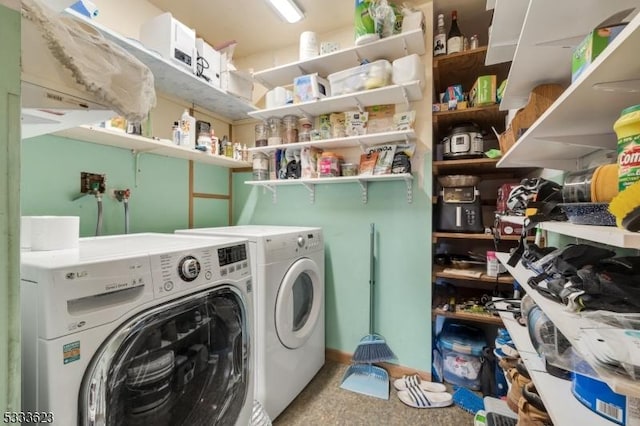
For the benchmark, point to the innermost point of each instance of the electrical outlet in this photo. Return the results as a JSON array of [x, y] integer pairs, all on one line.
[[90, 183]]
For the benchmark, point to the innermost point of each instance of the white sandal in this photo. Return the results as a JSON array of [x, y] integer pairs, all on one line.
[[417, 398], [415, 381]]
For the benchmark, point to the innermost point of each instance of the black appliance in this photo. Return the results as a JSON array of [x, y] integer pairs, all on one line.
[[459, 208]]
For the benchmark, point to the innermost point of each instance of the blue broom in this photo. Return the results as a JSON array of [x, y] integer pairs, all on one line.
[[362, 376], [372, 347]]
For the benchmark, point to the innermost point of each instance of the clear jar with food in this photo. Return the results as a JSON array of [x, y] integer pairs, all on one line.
[[349, 169], [262, 134], [329, 164], [274, 128], [260, 166], [290, 128], [305, 133]]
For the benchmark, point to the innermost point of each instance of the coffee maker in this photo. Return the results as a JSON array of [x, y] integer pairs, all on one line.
[[459, 208]]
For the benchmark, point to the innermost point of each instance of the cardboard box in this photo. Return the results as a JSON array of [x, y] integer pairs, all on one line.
[[309, 87], [593, 44], [483, 91]]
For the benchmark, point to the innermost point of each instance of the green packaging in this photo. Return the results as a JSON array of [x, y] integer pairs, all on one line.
[[483, 91]]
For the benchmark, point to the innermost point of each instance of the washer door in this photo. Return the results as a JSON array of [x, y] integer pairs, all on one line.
[[298, 303], [185, 362]]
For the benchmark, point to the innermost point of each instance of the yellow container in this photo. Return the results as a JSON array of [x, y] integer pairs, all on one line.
[[627, 129]]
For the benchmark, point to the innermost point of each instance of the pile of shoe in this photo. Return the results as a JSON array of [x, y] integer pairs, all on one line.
[[523, 398], [418, 393]]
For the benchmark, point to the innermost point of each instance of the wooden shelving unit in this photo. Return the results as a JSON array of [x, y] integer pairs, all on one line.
[[485, 318], [463, 236], [489, 116], [502, 279], [475, 166]]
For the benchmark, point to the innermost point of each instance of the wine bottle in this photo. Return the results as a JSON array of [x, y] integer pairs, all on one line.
[[440, 38], [454, 39]]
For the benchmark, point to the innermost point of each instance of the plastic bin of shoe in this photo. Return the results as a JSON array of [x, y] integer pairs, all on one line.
[[364, 77], [461, 348]]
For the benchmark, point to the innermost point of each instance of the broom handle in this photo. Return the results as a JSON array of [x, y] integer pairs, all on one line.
[[372, 280]]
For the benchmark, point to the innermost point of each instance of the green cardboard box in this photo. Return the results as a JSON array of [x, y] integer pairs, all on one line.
[[483, 91], [593, 44]]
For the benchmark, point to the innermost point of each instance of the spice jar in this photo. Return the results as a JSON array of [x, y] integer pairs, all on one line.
[[305, 134], [274, 127], [261, 134], [290, 133], [329, 164]]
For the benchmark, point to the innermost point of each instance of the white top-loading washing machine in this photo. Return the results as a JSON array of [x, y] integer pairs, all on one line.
[[137, 329], [288, 271]]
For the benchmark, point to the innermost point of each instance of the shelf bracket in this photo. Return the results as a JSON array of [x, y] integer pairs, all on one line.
[[136, 165], [302, 70], [358, 58], [405, 95], [363, 146], [312, 191], [405, 48], [409, 183], [359, 105], [274, 194], [365, 190]]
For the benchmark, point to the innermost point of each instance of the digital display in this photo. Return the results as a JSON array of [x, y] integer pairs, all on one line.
[[233, 254], [309, 235]]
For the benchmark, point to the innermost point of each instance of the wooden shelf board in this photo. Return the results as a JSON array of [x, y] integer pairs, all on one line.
[[460, 235], [474, 166], [503, 279], [486, 117], [463, 68], [469, 316]]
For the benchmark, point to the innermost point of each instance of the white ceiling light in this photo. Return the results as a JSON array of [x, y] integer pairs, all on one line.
[[288, 10]]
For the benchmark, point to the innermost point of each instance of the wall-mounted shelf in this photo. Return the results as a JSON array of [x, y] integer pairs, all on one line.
[[389, 48], [508, 16], [175, 80], [395, 94], [581, 120], [439, 272], [562, 406], [347, 142], [543, 54], [609, 235], [473, 166], [459, 235], [139, 144], [569, 325], [310, 184], [468, 316], [485, 116]]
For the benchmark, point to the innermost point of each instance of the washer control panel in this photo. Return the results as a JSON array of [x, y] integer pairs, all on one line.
[[185, 271], [282, 247]]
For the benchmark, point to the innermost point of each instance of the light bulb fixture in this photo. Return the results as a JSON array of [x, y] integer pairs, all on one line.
[[289, 11]]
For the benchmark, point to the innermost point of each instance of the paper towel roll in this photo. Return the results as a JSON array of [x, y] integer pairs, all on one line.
[[54, 232]]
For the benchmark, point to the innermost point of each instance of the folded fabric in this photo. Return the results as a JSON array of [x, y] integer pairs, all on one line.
[[415, 397], [415, 381]]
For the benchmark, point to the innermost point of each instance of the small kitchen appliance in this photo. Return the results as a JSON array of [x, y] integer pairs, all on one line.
[[459, 208], [463, 141], [172, 39]]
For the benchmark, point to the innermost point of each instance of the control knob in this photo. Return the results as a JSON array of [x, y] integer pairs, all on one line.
[[189, 268], [300, 241]]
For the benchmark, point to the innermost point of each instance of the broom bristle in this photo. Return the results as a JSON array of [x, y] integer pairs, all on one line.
[[372, 348]]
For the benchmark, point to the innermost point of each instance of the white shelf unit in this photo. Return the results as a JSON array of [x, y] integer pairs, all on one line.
[[176, 80], [347, 142], [310, 184], [581, 120], [395, 94], [390, 48], [508, 17], [139, 144], [550, 31], [609, 235], [563, 408], [569, 325]]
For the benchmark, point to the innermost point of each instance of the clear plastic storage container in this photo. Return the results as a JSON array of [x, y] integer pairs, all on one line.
[[364, 77]]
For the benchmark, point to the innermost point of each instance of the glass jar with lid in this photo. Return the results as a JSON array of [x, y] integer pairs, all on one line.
[[305, 133], [290, 128], [262, 134], [274, 129]]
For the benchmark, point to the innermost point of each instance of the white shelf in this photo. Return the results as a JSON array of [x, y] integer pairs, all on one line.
[[609, 235], [347, 142], [569, 324], [551, 29], [581, 120], [508, 16], [310, 184], [175, 80], [395, 94], [562, 406], [139, 144], [389, 48]]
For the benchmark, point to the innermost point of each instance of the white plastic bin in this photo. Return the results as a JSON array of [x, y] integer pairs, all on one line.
[[364, 77]]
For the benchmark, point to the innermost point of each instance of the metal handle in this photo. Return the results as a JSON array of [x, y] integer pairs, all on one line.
[[372, 280]]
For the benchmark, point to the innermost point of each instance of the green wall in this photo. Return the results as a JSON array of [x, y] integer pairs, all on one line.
[[9, 209], [403, 273], [51, 168]]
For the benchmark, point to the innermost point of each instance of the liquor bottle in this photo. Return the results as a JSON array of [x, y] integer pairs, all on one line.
[[440, 38], [454, 39]]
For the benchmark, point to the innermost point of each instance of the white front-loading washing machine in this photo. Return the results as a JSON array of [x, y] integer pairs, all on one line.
[[288, 271], [141, 329]]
